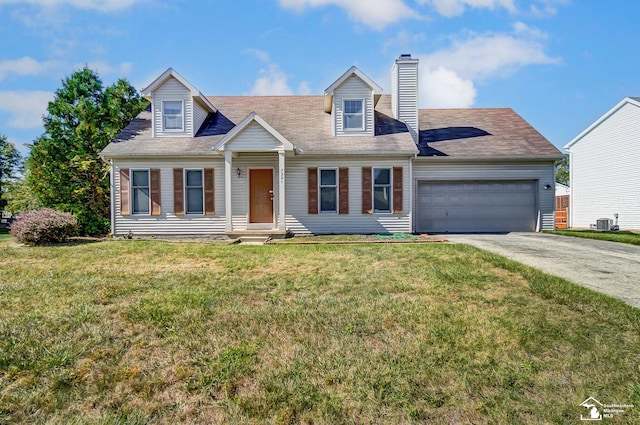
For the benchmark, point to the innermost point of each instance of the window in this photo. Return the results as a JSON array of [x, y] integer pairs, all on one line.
[[328, 191], [140, 191], [172, 119], [381, 190], [353, 115], [194, 191]]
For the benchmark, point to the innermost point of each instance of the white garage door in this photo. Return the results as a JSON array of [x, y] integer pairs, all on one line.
[[486, 206]]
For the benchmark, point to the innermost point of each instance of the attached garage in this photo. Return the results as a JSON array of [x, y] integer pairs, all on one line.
[[476, 206]]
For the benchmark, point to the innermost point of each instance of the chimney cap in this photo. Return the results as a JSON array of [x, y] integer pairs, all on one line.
[[405, 56]]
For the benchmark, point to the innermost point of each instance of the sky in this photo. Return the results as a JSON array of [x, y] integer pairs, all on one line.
[[560, 64]]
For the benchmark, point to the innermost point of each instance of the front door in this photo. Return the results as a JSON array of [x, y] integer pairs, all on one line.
[[261, 196]]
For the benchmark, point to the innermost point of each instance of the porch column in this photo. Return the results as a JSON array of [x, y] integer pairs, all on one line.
[[227, 192], [281, 212]]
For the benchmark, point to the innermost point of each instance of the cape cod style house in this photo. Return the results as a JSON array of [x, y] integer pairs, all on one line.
[[350, 161]]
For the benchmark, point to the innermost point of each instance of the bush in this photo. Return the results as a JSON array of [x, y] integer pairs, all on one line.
[[41, 227]]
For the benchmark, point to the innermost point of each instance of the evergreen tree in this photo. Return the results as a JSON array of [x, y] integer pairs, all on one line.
[[64, 169]]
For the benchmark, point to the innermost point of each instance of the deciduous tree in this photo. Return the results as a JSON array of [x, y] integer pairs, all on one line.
[[10, 163], [562, 170], [64, 169]]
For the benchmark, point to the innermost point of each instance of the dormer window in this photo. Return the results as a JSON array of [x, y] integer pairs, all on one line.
[[172, 115], [353, 114]]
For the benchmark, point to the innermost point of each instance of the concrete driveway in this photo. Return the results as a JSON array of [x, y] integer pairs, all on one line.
[[608, 267]]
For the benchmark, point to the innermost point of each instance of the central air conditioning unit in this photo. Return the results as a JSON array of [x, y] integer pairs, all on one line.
[[603, 224]]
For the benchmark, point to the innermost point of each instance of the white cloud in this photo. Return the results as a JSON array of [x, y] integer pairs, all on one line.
[[25, 108], [487, 56], [100, 5], [260, 54], [449, 76], [272, 81], [375, 14], [103, 68], [304, 89], [452, 8], [403, 40], [547, 8], [23, 66], [442, 88]]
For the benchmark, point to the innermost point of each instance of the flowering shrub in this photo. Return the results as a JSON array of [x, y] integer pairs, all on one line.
[[41, 227]]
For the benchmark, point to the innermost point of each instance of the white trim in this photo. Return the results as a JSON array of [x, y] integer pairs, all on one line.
[[282, 219], [131, 188], [335, 169], [170, 72], [344, 114], [601, 119], [373, 192], [228, 162], [162, 114], [184, 190], [328, 93]]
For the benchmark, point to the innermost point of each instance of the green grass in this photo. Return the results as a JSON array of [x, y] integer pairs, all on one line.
[[141, 332], [623, 237]]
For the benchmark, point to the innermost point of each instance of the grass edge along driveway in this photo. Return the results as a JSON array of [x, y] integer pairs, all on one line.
[[154, 332]]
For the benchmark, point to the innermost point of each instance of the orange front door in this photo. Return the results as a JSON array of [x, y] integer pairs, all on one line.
[[260, 196]]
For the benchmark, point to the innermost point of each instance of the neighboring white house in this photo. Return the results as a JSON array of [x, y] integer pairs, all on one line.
[[605, 168], [350, 161]]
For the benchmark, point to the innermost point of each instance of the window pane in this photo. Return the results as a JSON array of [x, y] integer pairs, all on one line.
[[194, 178], [382, 176], [194, 200], [140, 178], [353, 121], [328, 199], [381, 198], [173, 108], [327, 177], [172, 122], [353, 106], [141, 201]]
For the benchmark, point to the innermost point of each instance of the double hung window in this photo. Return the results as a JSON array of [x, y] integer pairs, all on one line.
[[172, 115], [140, 191], [353, 116]]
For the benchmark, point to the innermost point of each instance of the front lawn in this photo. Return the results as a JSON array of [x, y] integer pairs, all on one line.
[[624, 237], [156, 332]]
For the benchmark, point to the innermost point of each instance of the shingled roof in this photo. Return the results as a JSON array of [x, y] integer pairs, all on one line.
[[300, 119], [481, 133], [454, 133]]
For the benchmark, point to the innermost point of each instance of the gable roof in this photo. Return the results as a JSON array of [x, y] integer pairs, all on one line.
[[253, 117], [170, 72], [481, 133], [627, 100], [299, 119], [328, 101]]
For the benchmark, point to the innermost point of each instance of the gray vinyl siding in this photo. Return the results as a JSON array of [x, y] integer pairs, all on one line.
[[172, 89], [167, 223], [353, 88], [199, 115], [605, 171], [254, 137], [298, 220], [541, 172]]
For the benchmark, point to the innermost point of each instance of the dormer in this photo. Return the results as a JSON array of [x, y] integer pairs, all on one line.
[[178, 109], [351, 101]]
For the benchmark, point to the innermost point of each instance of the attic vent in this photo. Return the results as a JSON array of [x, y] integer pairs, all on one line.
[[603, 224]]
